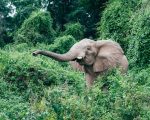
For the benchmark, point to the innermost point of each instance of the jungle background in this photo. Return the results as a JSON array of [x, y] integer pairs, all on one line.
[[39, 88]]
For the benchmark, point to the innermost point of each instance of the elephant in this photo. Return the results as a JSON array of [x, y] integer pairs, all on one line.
[[94, 58]]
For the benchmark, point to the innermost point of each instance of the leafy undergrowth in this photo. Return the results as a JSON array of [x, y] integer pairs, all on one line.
[[39, 88]]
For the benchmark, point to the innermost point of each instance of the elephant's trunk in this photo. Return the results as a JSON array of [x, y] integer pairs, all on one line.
[[69, 56]]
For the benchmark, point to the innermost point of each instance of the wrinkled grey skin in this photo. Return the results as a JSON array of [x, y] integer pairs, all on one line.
[[92, 57]]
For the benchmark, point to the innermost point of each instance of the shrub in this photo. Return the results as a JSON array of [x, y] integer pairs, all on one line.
[[39, 88], [139, 49], [74, 29], [125, 99], [127, 22], [13, 107], [115, 19], [27, 72], [37, 28], [62, 44]]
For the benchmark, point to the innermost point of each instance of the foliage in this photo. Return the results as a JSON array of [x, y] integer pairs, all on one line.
[[139, 50], [15, 12], [84, 11], [39, 88], [5, 23], [115, 19], [59, 10], [127, 22], [24, 9], [62, 44], [13, 108], [12, 15], [124, 100], [25, 71], [1, 42], [37, 28], [74, 29], [89, 14]]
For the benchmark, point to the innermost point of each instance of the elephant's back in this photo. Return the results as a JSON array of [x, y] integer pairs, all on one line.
[[124, 64]]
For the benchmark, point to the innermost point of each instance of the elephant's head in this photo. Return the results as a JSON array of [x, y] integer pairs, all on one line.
[[85, 51], [99, 54]]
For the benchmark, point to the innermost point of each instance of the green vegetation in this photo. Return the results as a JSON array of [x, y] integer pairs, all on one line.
[[127, 22], [114, 23], [62, 44], [37, 28], [39, 88], [139, 50], [74, 29]]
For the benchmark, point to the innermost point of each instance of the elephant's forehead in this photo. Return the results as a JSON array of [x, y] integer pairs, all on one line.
[[84, 43], [80, 45]]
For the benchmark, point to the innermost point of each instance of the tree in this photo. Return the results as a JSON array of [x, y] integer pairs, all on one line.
[[37, 28], [114, 23], [23, 10], [74, 29], [91, 14], [85, 12], [59, 10], [5, 20]]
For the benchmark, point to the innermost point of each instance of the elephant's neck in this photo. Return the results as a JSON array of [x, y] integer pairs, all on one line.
[[89, 69]]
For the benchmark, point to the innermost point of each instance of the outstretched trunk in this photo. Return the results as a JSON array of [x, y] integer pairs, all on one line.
[[69, 56]]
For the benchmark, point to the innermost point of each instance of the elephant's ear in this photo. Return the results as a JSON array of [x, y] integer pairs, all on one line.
[[103, 62], [77, 66]]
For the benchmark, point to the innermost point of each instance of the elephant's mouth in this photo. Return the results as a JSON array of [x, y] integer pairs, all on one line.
[[80, 60]]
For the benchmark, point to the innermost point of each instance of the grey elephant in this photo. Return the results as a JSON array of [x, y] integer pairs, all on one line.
[[92, 57]]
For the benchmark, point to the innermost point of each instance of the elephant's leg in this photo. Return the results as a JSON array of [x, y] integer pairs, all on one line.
[[89, 79]]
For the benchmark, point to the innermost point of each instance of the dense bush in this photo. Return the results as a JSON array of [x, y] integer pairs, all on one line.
[[127, 22], [114, 23], [62, 44], [40, 88], [139, 49], [26, 71], [37, 28], [126, 99], [74, 29], [13, 107]]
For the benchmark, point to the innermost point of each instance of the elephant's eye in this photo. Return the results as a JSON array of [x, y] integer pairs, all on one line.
[[88, 48]]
